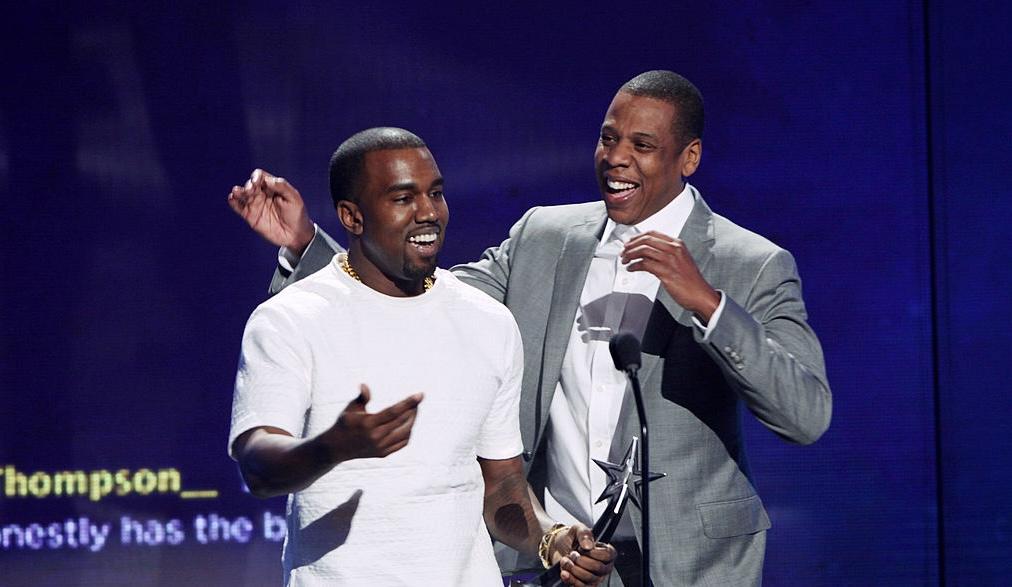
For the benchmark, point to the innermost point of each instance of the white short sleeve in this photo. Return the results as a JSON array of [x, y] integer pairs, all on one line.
[[272, 383], [500, 434]]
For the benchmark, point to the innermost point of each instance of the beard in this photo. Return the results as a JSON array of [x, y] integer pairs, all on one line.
[[415, 272]]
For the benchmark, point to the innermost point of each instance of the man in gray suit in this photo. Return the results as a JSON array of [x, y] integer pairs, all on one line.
[[718, 309]]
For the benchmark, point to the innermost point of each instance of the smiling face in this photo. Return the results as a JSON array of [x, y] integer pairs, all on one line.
[[638, 162], [399, 220]]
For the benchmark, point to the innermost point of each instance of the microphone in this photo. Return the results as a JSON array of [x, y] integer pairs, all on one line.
[[625, 351]]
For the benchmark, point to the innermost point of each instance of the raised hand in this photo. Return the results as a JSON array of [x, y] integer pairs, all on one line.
[[582, 561], [669, 260], [357, 434], [274, 209]]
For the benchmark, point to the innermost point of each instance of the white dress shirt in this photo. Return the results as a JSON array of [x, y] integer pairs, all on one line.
[[588, 398]]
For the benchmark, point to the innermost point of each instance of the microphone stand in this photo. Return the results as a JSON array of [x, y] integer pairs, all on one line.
[[631, 371]]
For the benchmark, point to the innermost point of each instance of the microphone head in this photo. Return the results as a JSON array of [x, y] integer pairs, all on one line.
[[625, 351]]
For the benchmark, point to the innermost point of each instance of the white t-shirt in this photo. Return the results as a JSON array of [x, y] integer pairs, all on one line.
[[414, 517]]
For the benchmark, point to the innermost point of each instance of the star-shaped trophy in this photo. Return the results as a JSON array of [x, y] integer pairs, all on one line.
[[624, 483]]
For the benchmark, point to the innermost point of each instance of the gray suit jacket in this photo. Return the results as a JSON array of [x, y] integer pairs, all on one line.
[[707, 522]]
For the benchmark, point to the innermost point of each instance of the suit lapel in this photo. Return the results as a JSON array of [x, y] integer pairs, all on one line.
[[571, 273], [697, 234]]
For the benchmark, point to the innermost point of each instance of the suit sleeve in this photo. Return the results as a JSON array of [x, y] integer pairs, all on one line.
[[491, 273], [769, 352], [316, 256]]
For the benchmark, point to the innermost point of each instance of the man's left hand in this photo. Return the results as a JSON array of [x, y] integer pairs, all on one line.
[[582, 561], [669, 260]]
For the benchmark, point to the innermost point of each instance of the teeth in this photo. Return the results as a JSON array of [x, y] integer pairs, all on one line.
[[422, 239], [620, 185]]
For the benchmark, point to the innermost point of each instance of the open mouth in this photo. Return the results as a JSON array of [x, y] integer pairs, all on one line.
[[425, 243], [618, 191]]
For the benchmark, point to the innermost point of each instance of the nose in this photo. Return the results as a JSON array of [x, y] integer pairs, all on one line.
[[425, 211], [617, 155]]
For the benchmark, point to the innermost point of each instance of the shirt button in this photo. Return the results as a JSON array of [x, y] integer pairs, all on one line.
[[598, 443], [600, 388]]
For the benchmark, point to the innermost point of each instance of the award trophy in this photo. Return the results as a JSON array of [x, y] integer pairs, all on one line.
[[625, 481], [624, 484]]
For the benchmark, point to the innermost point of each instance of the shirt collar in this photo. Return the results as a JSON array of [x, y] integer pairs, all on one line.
[[668, 220]]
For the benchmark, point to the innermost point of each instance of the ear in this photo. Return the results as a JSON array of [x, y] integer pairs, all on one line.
[[690, 157], [350, 216]]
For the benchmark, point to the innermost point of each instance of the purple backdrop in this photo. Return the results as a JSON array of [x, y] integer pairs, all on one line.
[[871, 141]]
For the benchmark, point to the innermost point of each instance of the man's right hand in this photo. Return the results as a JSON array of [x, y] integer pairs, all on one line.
[[273, 462], [274, 209], [358, 434]]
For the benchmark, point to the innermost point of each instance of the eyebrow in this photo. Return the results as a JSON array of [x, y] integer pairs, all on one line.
[[644, 135], [405, 186], [410, 186], [635, 135]]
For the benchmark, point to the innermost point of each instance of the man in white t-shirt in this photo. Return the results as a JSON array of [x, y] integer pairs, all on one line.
[[401, 495]]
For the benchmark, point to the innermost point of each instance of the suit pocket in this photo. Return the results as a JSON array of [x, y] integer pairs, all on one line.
[[725, 519]]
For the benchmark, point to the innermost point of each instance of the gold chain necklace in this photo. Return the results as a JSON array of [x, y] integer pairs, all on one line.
[[427, 283]]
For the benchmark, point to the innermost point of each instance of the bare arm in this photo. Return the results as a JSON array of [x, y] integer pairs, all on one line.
[[515, 517], [273, 462], [511, 515]]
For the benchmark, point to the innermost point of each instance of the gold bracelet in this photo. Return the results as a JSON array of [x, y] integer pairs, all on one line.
[[544, 549]]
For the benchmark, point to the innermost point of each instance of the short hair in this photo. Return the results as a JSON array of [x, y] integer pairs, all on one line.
[[675, 90], [346, 164]]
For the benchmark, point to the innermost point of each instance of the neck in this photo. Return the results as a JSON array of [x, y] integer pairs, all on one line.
[[671, 198], [373, 277]]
